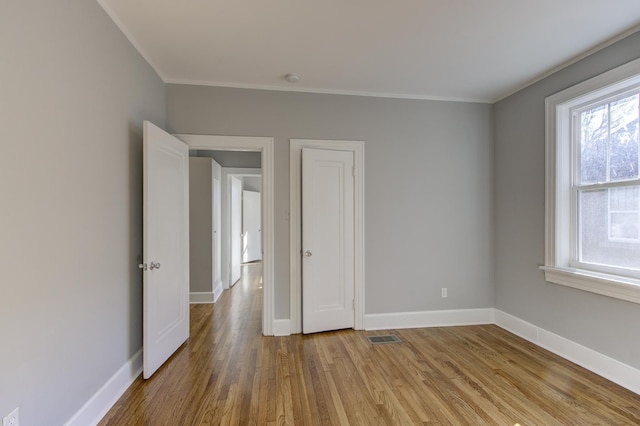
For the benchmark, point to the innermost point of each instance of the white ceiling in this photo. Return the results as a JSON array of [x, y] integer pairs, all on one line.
[[478, 50]]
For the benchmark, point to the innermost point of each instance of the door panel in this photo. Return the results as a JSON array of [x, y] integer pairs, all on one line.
[[327, 240], [236, 229], [165, 246], [217, 242], [252, 244]]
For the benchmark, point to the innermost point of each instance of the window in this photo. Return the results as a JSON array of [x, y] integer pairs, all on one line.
[[593, 185]]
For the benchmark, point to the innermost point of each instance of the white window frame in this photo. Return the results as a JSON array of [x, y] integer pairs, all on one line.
[[560, 223]]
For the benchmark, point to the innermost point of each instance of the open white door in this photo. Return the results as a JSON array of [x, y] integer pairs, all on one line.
[[236, 229], [251, 224], [327, 240], [165, 246], [217, 227]]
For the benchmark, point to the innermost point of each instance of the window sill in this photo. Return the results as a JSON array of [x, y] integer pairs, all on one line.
[[608, 285]]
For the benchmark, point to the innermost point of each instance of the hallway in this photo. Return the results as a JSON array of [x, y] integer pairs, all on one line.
[[220, 358]]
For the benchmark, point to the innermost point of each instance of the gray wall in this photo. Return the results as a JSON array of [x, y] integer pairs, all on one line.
[[428, 185], [251, 183], [200, 224], [601, 323], [251, 160], [73, 96]]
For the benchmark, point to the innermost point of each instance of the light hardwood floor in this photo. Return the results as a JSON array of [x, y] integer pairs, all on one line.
[[227, 373]]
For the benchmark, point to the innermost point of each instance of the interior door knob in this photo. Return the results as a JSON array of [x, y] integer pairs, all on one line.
[[308, 253], [153, 266]]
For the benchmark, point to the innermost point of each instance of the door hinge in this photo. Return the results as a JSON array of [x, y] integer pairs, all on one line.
[[353, 304], [353, 171]]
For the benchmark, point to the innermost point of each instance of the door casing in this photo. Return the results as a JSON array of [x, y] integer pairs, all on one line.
[[264, 145], [295, 232]]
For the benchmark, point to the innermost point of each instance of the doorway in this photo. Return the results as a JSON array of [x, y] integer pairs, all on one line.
[[295, 161], [224, 233], [205, 229], [264, 146], [251, 224], [232, 218]]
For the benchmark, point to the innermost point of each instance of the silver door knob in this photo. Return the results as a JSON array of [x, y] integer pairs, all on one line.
[[153, 266], [308, 253]]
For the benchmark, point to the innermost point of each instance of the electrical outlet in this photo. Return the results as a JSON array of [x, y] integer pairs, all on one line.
[[444, 292], [11, 419]]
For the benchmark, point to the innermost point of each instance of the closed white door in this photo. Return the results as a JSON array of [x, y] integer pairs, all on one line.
[[216, 209], [327, 240], [251, 243], [165, 246], [236, 229]]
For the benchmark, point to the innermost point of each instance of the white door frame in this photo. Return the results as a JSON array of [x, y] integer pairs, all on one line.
[[265, 146], [295, 169]]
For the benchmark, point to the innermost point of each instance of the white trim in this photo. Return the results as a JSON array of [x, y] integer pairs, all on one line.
[[607, 285], [443, 318], [101, 402], [282, 327], [295, 228], [116, 20], [607, 367], [301, 89], [198, 297], [217, 291], [265, 145], [559, 223]]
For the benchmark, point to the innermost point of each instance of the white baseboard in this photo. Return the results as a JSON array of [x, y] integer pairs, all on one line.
[[282, 327], [201, 297], [428, 319], [101, 402], [607, 367], [217, 291]]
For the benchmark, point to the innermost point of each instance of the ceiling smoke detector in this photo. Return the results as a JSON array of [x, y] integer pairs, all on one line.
[[292, 78]]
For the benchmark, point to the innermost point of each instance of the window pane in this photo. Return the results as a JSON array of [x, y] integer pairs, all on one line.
[[624, 226], [607, 236], [594, 138], [624, 139], [609, 142], [624, 199]]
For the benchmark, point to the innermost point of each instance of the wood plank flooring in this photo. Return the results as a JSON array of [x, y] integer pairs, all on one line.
[[227, 373]]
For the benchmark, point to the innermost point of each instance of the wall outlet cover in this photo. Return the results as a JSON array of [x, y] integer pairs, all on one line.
[[11, 419]]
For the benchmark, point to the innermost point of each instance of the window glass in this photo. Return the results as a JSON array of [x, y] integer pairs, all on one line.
[[608, 213], [608, 227], [609, 141]]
